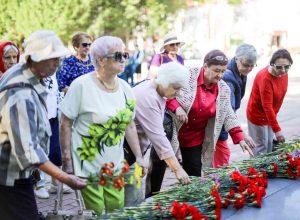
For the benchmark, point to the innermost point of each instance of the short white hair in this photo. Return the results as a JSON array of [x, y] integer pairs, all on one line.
[[102, 46], [172, 73]]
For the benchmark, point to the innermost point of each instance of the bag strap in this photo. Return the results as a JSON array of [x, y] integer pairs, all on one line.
[[24, 85], [161, 59]]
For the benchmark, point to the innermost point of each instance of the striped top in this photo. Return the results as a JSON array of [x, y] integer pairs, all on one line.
[[24, 125]]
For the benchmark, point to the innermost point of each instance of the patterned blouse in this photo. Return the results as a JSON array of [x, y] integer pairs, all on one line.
[[71, 68]]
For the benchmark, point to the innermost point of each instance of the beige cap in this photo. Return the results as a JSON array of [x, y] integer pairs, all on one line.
[[43, 45]]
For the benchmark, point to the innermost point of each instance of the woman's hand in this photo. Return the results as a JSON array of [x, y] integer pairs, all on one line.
[[182, 176], [246, 147], [279, 136], [249, 141], [181, 115], [141, 162]]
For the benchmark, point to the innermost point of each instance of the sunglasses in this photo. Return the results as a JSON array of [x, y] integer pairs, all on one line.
[[86, 44], [282, 67], [221, 59], [174, 44], [118, 56]]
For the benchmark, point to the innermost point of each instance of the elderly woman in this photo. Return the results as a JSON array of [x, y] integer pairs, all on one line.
[[268, 91], [236, 78], [168, 54], [75, 65], [206, 101], [151, 98], [24, 126], [96, 111], [9, 56]]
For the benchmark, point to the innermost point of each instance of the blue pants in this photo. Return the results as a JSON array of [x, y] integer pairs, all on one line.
[[55, 152]]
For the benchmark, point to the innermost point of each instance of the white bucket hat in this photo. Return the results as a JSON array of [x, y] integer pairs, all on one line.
[[43, 45], [171, 38]]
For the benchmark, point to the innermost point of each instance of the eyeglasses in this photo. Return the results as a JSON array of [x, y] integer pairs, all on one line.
[[86, 44], [174, 44], [282, 67], [118, 56], [246, 65]]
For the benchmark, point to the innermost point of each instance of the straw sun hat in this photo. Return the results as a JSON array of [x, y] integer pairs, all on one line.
[[171, 38]]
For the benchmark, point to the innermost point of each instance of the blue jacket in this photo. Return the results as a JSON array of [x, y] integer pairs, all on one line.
[[237, 85]]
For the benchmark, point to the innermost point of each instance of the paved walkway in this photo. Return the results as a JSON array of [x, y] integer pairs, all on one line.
[[289, 119]]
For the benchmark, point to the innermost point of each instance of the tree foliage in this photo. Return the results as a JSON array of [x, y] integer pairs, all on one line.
[[18, 18]]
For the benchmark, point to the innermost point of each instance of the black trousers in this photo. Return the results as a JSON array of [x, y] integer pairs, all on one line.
[[155, 176], [191, 160], [18, 202]]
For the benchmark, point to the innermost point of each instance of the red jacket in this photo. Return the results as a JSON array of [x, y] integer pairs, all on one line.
[[266, 99], [2, 45]]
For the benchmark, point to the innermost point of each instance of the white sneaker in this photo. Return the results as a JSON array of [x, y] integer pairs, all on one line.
[[66, 189], [41, 193]]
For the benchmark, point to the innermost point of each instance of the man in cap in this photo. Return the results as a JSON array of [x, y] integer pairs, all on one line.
[[24, 127]]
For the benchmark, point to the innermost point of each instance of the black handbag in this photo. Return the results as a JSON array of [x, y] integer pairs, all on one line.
[[128, 154], [168, 124]]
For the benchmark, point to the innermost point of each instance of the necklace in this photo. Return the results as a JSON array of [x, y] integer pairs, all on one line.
[[105, 86]]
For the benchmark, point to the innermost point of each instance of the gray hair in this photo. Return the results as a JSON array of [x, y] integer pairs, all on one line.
[[246, 52], [102, 46], [171, 73], [8, 47]]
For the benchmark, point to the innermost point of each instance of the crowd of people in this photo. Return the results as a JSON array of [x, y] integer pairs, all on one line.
[[71, 115]]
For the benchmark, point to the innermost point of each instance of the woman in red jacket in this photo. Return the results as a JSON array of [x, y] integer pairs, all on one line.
[[268, 91]]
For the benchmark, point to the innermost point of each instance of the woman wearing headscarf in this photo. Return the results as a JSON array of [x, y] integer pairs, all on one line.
[[9, 56], [97, 113], [75, 65], [206, 101]]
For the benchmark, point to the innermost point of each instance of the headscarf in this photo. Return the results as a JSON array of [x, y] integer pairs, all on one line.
[[2, 45]]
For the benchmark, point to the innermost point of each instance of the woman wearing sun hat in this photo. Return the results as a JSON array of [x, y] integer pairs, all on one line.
[[168, 54]]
